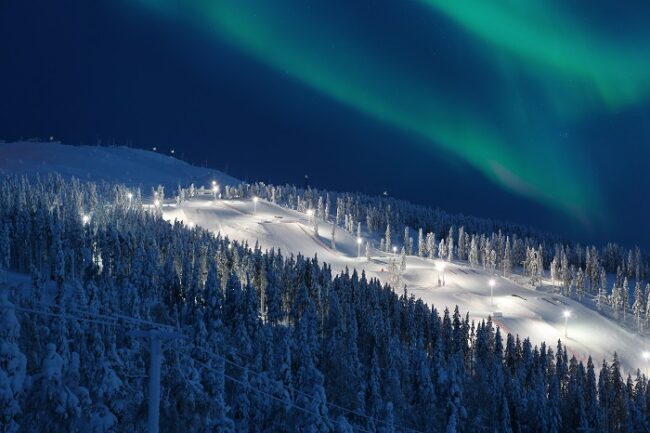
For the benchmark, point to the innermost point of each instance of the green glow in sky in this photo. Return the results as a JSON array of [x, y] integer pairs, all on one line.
[[543, 35], [340, 65]]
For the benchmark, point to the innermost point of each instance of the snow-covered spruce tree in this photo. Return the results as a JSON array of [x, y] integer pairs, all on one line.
[[506, 263], [580, 284], [565, 274], [556, 275], [407, 236], [638, 307], [388, 243], [492, 262], [616, 301], [431, 245], [647, 306], [625, 296], [422, 247], [462, 244], [442, 249], [450, 249], [13, 366], [473, 252]]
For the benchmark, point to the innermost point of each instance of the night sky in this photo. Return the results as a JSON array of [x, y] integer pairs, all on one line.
[[536, 112]]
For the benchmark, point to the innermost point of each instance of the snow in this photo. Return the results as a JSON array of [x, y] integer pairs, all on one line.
[[533, 313], [125, 165], [537, 314]]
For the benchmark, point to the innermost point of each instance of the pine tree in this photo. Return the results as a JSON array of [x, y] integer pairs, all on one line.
[[616, 301], [406, 239], [388, 243], [450, 249], [431, 245], [442, 249], [492, 262], [638, 308], [473, 252], [13, 366], [565, 274], [506, 263], [556, 270], [462, 244], [625, 294], [421, 244], [580, 284]]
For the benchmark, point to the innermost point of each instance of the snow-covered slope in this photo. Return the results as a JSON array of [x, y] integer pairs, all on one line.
[[537, 314], [125, 165]]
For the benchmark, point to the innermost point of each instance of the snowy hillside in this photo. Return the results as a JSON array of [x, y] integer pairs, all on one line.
[[517, 309], [128, 166]]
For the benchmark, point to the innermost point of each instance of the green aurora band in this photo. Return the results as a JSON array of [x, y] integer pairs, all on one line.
[[543, 35], [355, 74]]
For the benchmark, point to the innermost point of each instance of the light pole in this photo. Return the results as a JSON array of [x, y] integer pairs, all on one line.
[[440, 267], [492, 283], [130, 197], [310, 215], [566, 314], [359, 240], [255, 199], [85, 219], [155, 358], [395, 250]]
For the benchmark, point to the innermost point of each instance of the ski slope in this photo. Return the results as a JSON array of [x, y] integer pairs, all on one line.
[[533, 313], [537, 314], [135, 168]]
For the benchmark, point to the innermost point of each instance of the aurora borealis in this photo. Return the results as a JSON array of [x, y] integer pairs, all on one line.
[[357, 74], [540, 106]]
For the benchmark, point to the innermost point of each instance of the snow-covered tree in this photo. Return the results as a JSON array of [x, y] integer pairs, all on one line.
[[556, 270], [580, 284], [422, 247], [625, 296], [431, 245], [450, 249], [442, 249], [13, 365], [638, 307], [473, 252], [462, 244], [388, 243], [506, 263]]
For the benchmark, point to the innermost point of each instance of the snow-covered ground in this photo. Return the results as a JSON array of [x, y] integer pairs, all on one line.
[[530, 313], [132, 167], [537, 314]]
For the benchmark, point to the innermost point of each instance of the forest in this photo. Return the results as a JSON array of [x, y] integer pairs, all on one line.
[[269, 343]]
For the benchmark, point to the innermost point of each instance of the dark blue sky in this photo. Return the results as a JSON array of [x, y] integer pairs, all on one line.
[[120, 71]]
